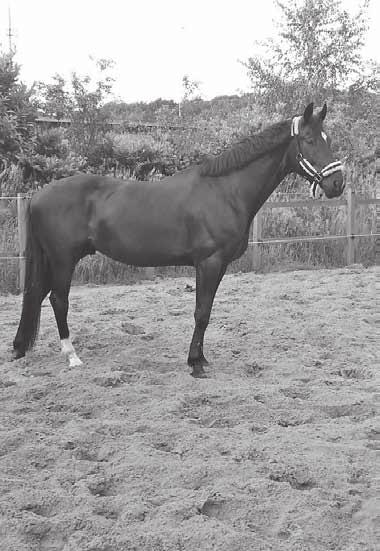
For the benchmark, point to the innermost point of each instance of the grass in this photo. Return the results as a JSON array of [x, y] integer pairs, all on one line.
[[8, 246]]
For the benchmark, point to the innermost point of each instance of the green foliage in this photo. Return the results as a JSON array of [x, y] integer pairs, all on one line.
[[42, 169], [317, 50], [140, 155], [211, 126], [11, 180], [81, 101], [190, 92], [128, 148], [17, 112], [160, 109], [54, 99], [88, 121], [190, 88], [52, 142]]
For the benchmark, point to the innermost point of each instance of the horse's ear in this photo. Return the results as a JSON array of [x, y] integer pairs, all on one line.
[[308, 112], [323, 112]]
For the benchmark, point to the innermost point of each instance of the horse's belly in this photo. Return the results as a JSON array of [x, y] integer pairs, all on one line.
[[146, 257], [142, 246]]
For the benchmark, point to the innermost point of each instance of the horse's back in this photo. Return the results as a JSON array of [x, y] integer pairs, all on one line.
[[73, 189]]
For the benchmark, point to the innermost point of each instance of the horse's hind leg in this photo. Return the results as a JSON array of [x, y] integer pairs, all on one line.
[[59, 299]]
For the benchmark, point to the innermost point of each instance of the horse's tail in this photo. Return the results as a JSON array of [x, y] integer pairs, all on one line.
[[36, 286]]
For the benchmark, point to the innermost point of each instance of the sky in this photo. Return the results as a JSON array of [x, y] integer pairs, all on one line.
[[153, 43]]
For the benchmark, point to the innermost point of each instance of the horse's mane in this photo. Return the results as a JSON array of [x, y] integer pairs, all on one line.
[[247, 150]]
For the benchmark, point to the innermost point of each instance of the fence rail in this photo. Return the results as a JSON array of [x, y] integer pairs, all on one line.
[[350, 202]]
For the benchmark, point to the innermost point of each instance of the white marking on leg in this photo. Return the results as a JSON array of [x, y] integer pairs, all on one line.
[[68, 350]]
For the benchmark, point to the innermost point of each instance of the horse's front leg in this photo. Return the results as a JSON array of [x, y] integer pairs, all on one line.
[[209, 273]]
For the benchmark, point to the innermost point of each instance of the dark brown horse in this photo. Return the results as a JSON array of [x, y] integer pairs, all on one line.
[[199, 217]]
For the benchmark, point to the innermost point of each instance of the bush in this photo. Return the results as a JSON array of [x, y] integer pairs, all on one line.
[[52, 143], [139, 154], [41, 169]]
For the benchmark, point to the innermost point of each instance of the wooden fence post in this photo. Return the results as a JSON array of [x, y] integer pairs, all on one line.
[[256, 236], [351, 225], [21, 227]]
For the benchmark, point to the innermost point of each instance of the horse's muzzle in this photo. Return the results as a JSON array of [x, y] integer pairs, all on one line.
[[333, 185]]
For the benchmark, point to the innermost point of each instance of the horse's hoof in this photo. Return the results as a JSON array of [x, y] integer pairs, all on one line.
[[16, 355], [199, 374], [75, 362]]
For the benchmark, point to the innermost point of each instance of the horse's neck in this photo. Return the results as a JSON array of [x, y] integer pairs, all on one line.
[[260, 179]]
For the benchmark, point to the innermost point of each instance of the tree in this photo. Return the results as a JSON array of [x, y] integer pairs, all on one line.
[[190, 92], [17, 112], [88, 120], [26, 157], [81, 101], [55, 100], [317, 52]]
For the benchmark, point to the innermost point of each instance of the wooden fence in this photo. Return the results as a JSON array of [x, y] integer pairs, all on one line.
[[351, 202]]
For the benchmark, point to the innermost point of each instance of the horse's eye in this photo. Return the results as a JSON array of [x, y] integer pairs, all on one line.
[[309, 140]]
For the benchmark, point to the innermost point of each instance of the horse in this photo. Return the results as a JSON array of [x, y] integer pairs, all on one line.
[[198, 217]]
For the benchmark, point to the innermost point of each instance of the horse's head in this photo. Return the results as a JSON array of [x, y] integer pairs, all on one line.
[[310, 153]]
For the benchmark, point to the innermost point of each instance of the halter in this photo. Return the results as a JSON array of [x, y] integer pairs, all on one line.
[[317, 176]]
